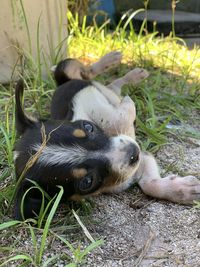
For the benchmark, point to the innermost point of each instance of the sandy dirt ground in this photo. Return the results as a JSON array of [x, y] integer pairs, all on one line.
[[140, 231]]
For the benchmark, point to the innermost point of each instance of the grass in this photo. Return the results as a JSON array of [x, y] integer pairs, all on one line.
[[39, 245], [171, 93]]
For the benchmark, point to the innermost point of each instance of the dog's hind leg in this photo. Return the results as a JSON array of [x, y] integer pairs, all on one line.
[[110, 60], [174, 188], [134, 76]]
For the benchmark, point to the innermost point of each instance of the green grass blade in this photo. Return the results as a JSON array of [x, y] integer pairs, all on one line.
[[91, 247], [71, 265], [44, 212], [48, 222], [16, 258], [23, 200], [34, 240], [133, 14], [6, 225], [27, 27], [50, 261], [65, 242]]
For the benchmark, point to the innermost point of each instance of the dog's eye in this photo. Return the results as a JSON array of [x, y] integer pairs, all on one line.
[[85, 183], [88, 127]]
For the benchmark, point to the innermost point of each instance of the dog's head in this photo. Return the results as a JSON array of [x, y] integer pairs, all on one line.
[[76, 155]]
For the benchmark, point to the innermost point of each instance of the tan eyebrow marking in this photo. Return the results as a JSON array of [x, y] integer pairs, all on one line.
[[79, 133], [79, 173]]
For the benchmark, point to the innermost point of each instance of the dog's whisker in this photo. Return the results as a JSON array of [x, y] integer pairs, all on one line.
[[116, 129]]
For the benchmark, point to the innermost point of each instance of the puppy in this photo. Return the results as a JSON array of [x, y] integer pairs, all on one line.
[[77, 155], [77, 99]]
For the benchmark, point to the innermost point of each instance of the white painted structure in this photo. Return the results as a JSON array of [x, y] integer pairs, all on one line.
[[51, 15]]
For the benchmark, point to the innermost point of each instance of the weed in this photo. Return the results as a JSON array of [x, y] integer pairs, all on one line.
[[39, 242]]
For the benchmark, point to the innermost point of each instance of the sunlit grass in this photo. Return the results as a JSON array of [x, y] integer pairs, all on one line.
[[149, 50]]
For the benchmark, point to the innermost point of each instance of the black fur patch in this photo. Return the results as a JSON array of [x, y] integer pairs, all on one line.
[[48, 176], [61, 104]]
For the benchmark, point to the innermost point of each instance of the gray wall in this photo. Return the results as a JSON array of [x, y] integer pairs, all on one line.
[[183, 5]]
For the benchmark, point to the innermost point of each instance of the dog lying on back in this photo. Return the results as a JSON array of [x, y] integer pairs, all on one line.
[[80, 156], [76, 155], [79, 98]]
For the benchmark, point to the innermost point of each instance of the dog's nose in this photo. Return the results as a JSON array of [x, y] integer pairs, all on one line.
[[134, 154]]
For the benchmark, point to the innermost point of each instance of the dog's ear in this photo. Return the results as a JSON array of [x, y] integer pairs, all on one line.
[[69, 69], [21, 119]]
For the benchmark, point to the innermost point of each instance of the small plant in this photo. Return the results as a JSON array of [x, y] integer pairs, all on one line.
[[40, 244]]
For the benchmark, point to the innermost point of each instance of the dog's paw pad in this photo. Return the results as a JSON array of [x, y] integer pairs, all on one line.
[[108, 61], [111, 59], [185, 189], [136, 75]]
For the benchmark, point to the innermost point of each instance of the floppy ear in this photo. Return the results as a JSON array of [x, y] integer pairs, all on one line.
[[21, 119]]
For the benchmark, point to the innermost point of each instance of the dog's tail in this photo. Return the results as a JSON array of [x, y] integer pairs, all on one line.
[[21, 119], [69, 69]]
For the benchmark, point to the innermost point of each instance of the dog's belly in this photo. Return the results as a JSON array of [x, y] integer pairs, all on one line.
[[106, 110], [90, 104]]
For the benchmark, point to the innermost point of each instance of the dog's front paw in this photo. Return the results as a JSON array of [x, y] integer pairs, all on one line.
[[108, 61], [111, 59], [183, 189], [136, 75]]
